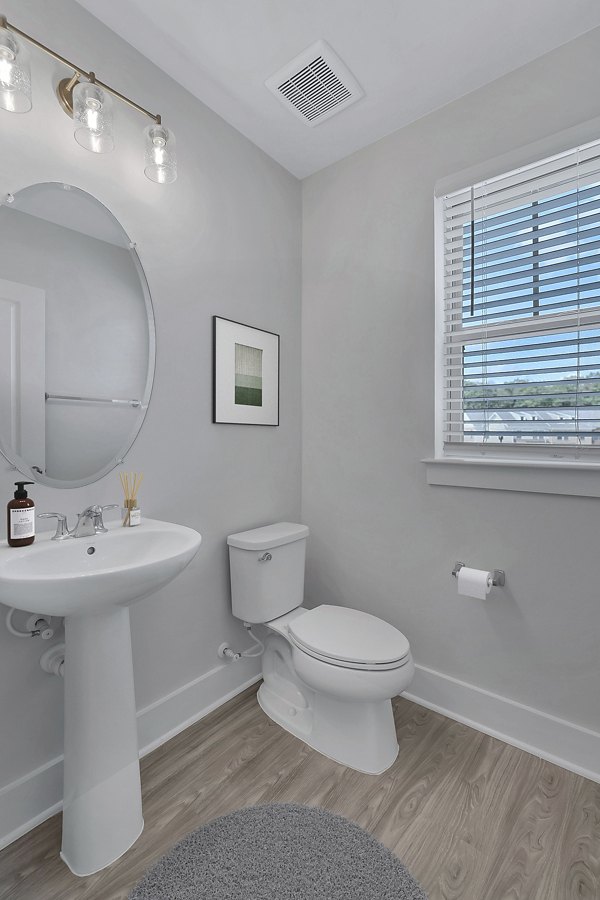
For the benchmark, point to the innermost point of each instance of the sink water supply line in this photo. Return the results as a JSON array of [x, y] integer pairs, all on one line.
[[41, 626], [225, 651]]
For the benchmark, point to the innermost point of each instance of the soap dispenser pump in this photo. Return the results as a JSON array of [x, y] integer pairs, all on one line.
[[20, 517]]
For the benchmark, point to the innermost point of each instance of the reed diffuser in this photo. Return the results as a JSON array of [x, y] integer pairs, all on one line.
[[131, 482]]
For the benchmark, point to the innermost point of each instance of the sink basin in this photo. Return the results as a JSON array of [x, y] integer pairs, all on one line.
[[91, 582], [84, 575]]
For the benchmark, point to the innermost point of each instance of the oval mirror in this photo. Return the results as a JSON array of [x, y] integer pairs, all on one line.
[[77, 339]]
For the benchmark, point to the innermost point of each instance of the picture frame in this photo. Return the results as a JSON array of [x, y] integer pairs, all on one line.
[[245, 374]]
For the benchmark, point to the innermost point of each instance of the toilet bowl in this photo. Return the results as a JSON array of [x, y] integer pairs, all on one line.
[[329, 673]]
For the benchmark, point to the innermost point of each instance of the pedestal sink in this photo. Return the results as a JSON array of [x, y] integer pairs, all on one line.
[[92, 581]]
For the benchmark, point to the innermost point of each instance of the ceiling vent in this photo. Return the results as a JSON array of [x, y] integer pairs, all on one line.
[[315, 85]]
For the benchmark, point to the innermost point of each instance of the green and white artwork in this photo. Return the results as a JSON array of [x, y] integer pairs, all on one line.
[[248, 375], [245, 374]]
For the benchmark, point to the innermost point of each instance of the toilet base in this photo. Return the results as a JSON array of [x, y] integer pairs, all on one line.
[[361, 735]]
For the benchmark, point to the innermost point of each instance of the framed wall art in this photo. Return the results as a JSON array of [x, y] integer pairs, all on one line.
[[245, 374]]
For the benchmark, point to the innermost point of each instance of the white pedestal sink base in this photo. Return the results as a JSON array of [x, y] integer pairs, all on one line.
[[102, 810], [84, 580]]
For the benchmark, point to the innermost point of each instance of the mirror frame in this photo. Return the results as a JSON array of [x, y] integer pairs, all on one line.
[[15, 461]]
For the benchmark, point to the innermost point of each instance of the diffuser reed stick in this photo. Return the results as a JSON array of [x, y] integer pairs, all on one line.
[[131, 483]]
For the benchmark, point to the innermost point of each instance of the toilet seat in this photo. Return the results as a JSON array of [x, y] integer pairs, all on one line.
[[349, 638], [348, 664]]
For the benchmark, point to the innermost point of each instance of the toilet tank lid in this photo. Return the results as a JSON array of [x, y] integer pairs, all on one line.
[[268, 536]]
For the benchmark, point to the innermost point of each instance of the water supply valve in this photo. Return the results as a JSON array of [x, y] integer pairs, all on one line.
[[38, 626], [225, 652]]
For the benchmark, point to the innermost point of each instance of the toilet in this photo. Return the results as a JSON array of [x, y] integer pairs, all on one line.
[[329, 673]]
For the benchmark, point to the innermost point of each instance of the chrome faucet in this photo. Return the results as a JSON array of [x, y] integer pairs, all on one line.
[[62, 529], [89, 522]]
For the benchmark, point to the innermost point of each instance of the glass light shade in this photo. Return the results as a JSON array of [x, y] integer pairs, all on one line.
[[160, 160], [92, 115], [15, 76]]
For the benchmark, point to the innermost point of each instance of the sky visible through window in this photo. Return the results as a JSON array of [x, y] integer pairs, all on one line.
[[533, 265]]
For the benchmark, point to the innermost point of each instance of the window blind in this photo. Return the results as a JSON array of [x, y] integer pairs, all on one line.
[[521, 324]]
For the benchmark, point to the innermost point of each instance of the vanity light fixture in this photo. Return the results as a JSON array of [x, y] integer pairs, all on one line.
[[84, 98], [92, 114], [160, 160], [15, 78]]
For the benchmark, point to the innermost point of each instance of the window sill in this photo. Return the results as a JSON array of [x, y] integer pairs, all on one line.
[[577, 479]]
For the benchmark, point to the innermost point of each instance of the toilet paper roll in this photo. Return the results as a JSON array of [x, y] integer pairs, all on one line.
[[474, 582]]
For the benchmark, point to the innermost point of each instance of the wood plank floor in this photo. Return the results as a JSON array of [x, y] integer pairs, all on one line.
[[472, 818]]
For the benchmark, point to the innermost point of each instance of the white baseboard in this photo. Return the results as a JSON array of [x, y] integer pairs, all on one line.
[[168, 716], [557, 740], [35, 797], [30, 800]]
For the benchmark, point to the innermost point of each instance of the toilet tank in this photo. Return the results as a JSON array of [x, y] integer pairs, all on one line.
[[267, 571]]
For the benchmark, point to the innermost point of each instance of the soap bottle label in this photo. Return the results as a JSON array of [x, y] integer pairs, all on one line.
[[22, 523]]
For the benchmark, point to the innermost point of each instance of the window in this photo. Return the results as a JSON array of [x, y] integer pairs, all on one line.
[[521, 312]]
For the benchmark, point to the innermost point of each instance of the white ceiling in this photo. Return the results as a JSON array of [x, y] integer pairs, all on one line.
[[409, 56]]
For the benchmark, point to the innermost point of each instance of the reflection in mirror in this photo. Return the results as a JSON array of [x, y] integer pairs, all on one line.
[[76, 336]]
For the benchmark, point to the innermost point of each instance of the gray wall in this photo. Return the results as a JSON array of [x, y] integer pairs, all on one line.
[[224, 239], [382, 539]]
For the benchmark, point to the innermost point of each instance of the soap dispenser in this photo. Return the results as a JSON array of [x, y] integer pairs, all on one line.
[[20, 517]]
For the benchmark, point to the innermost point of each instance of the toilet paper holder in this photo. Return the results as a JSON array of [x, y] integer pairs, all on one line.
[[498, 576]]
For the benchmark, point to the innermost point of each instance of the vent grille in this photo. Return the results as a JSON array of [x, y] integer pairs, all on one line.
[[315, 89], [316, 84]]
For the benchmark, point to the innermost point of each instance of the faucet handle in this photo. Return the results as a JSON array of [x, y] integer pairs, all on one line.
[[100, 526], [62, 528]]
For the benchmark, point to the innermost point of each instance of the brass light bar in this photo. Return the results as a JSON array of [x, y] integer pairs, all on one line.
[[65, 87]]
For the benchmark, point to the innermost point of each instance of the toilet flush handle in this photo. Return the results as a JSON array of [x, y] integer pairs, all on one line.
[[265, 557]]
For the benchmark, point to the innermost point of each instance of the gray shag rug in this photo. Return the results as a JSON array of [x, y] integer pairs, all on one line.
[[279, 852]]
